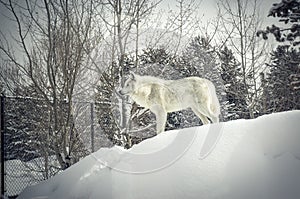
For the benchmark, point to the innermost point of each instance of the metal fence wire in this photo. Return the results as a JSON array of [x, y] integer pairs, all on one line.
[[28, 141]]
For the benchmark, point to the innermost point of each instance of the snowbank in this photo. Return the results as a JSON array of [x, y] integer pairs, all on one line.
[[244, 159]]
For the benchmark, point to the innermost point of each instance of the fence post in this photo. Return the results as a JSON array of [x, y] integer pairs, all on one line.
[[92, 128], [2, 103]]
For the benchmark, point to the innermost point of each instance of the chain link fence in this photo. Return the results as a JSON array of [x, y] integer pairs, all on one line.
[[28, 153]]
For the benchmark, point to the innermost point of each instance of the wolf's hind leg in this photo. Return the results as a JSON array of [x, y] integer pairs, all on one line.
[[202, 117], [161, 117], [214, 119], [212, 116]]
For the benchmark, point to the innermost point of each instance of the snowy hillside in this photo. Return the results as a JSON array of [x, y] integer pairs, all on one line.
[[244, 159]]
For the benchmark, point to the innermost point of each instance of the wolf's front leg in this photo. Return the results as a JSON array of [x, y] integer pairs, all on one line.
[[161, 118]]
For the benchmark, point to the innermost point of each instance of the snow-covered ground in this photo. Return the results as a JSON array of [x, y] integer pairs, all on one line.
[[242, 159]]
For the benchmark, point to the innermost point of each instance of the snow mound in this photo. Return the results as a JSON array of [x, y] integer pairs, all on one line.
[[257, 158]]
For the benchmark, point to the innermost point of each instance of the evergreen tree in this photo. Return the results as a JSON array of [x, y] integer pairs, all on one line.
[[282, 84], [106, 105], [201, 59], [154, 62], [281, 93], [24, 136], [288, 12], [232, 77], [160, 63]]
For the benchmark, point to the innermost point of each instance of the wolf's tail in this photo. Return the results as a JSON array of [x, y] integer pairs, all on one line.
[[214, 105]]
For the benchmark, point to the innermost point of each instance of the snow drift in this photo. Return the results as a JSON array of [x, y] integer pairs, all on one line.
[[257, 158]]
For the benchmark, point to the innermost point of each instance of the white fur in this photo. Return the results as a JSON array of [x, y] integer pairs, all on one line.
[[163, 96]]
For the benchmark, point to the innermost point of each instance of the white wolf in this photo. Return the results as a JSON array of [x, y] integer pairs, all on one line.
[[163, 96]]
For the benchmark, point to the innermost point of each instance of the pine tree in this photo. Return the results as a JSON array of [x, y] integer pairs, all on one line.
[[282, 84], [153, 61], [280, 92], [106, 105], [288, 12], [24, 135], [231, 74], [201, 59], [160, 63]]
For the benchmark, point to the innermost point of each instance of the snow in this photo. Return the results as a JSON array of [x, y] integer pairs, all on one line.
[[257, 158]]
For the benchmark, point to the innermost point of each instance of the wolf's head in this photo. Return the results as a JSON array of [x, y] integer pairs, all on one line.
[[129, 85]]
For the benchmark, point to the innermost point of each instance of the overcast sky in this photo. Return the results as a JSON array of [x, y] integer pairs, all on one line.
[[207, 11], [207, 8]]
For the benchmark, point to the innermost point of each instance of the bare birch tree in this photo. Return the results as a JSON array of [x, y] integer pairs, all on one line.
[[123, 20], [240, 21], [53, 38]]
